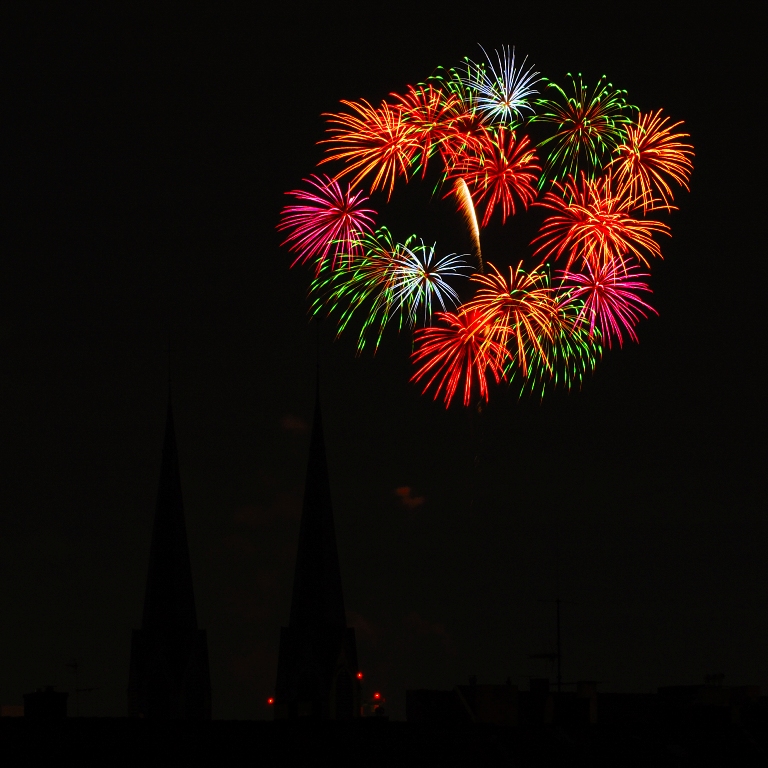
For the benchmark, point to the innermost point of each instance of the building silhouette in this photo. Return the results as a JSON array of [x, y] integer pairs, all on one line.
[[317, 664], [45, 704], [169, 676]]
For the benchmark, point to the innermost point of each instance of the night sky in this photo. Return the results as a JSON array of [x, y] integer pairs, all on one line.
[[144, 164]]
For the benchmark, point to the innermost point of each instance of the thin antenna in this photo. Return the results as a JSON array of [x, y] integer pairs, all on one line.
[[74, 665], [557, 552], [317, 357], [559, 651], [557, 594], [557, 655], [475, 442]]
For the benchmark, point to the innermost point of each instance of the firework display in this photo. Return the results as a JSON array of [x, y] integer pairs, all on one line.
[[383, 280], [329, 221], [588, 127], [592, 173]]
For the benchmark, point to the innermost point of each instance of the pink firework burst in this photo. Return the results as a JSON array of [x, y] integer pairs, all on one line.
[[608, 295], [329, 222]]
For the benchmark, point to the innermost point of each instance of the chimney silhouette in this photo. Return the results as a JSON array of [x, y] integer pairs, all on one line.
[[169, 676], [317, 663]]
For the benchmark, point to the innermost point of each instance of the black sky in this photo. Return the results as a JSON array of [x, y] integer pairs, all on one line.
[[144, 161]]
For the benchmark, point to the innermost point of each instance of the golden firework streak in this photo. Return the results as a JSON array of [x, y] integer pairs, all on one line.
[[464, 199]]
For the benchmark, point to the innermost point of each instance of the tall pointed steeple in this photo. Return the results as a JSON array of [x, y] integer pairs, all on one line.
[[317, 664], [169, 600], [169, 674], [317, 599]]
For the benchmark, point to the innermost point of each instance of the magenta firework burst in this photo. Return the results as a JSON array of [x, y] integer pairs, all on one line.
[[328, 221]]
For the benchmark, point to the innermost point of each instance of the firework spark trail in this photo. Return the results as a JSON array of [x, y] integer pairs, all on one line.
[[589, 126], [608, 298], [327, 223], [651, 153], [593, 221], [467, 208]]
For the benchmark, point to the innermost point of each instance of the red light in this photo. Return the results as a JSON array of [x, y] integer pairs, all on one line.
[[270, 701], [359, 675], [376, 695]]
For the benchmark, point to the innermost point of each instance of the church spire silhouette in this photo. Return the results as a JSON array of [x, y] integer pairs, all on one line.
[[317, 663], [317, 599], [169, 675]]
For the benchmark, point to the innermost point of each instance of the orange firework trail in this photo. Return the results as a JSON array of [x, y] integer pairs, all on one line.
[[464, 199]]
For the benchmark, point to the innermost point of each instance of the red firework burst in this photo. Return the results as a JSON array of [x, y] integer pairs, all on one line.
[[431, 113], [329, 221], [462, 350], [608, 294], [650, 155], [462, 134], [375, 141], [593, 221], [498, 168]]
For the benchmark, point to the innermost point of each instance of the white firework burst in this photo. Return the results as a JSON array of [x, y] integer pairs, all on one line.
[[501, 92]]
